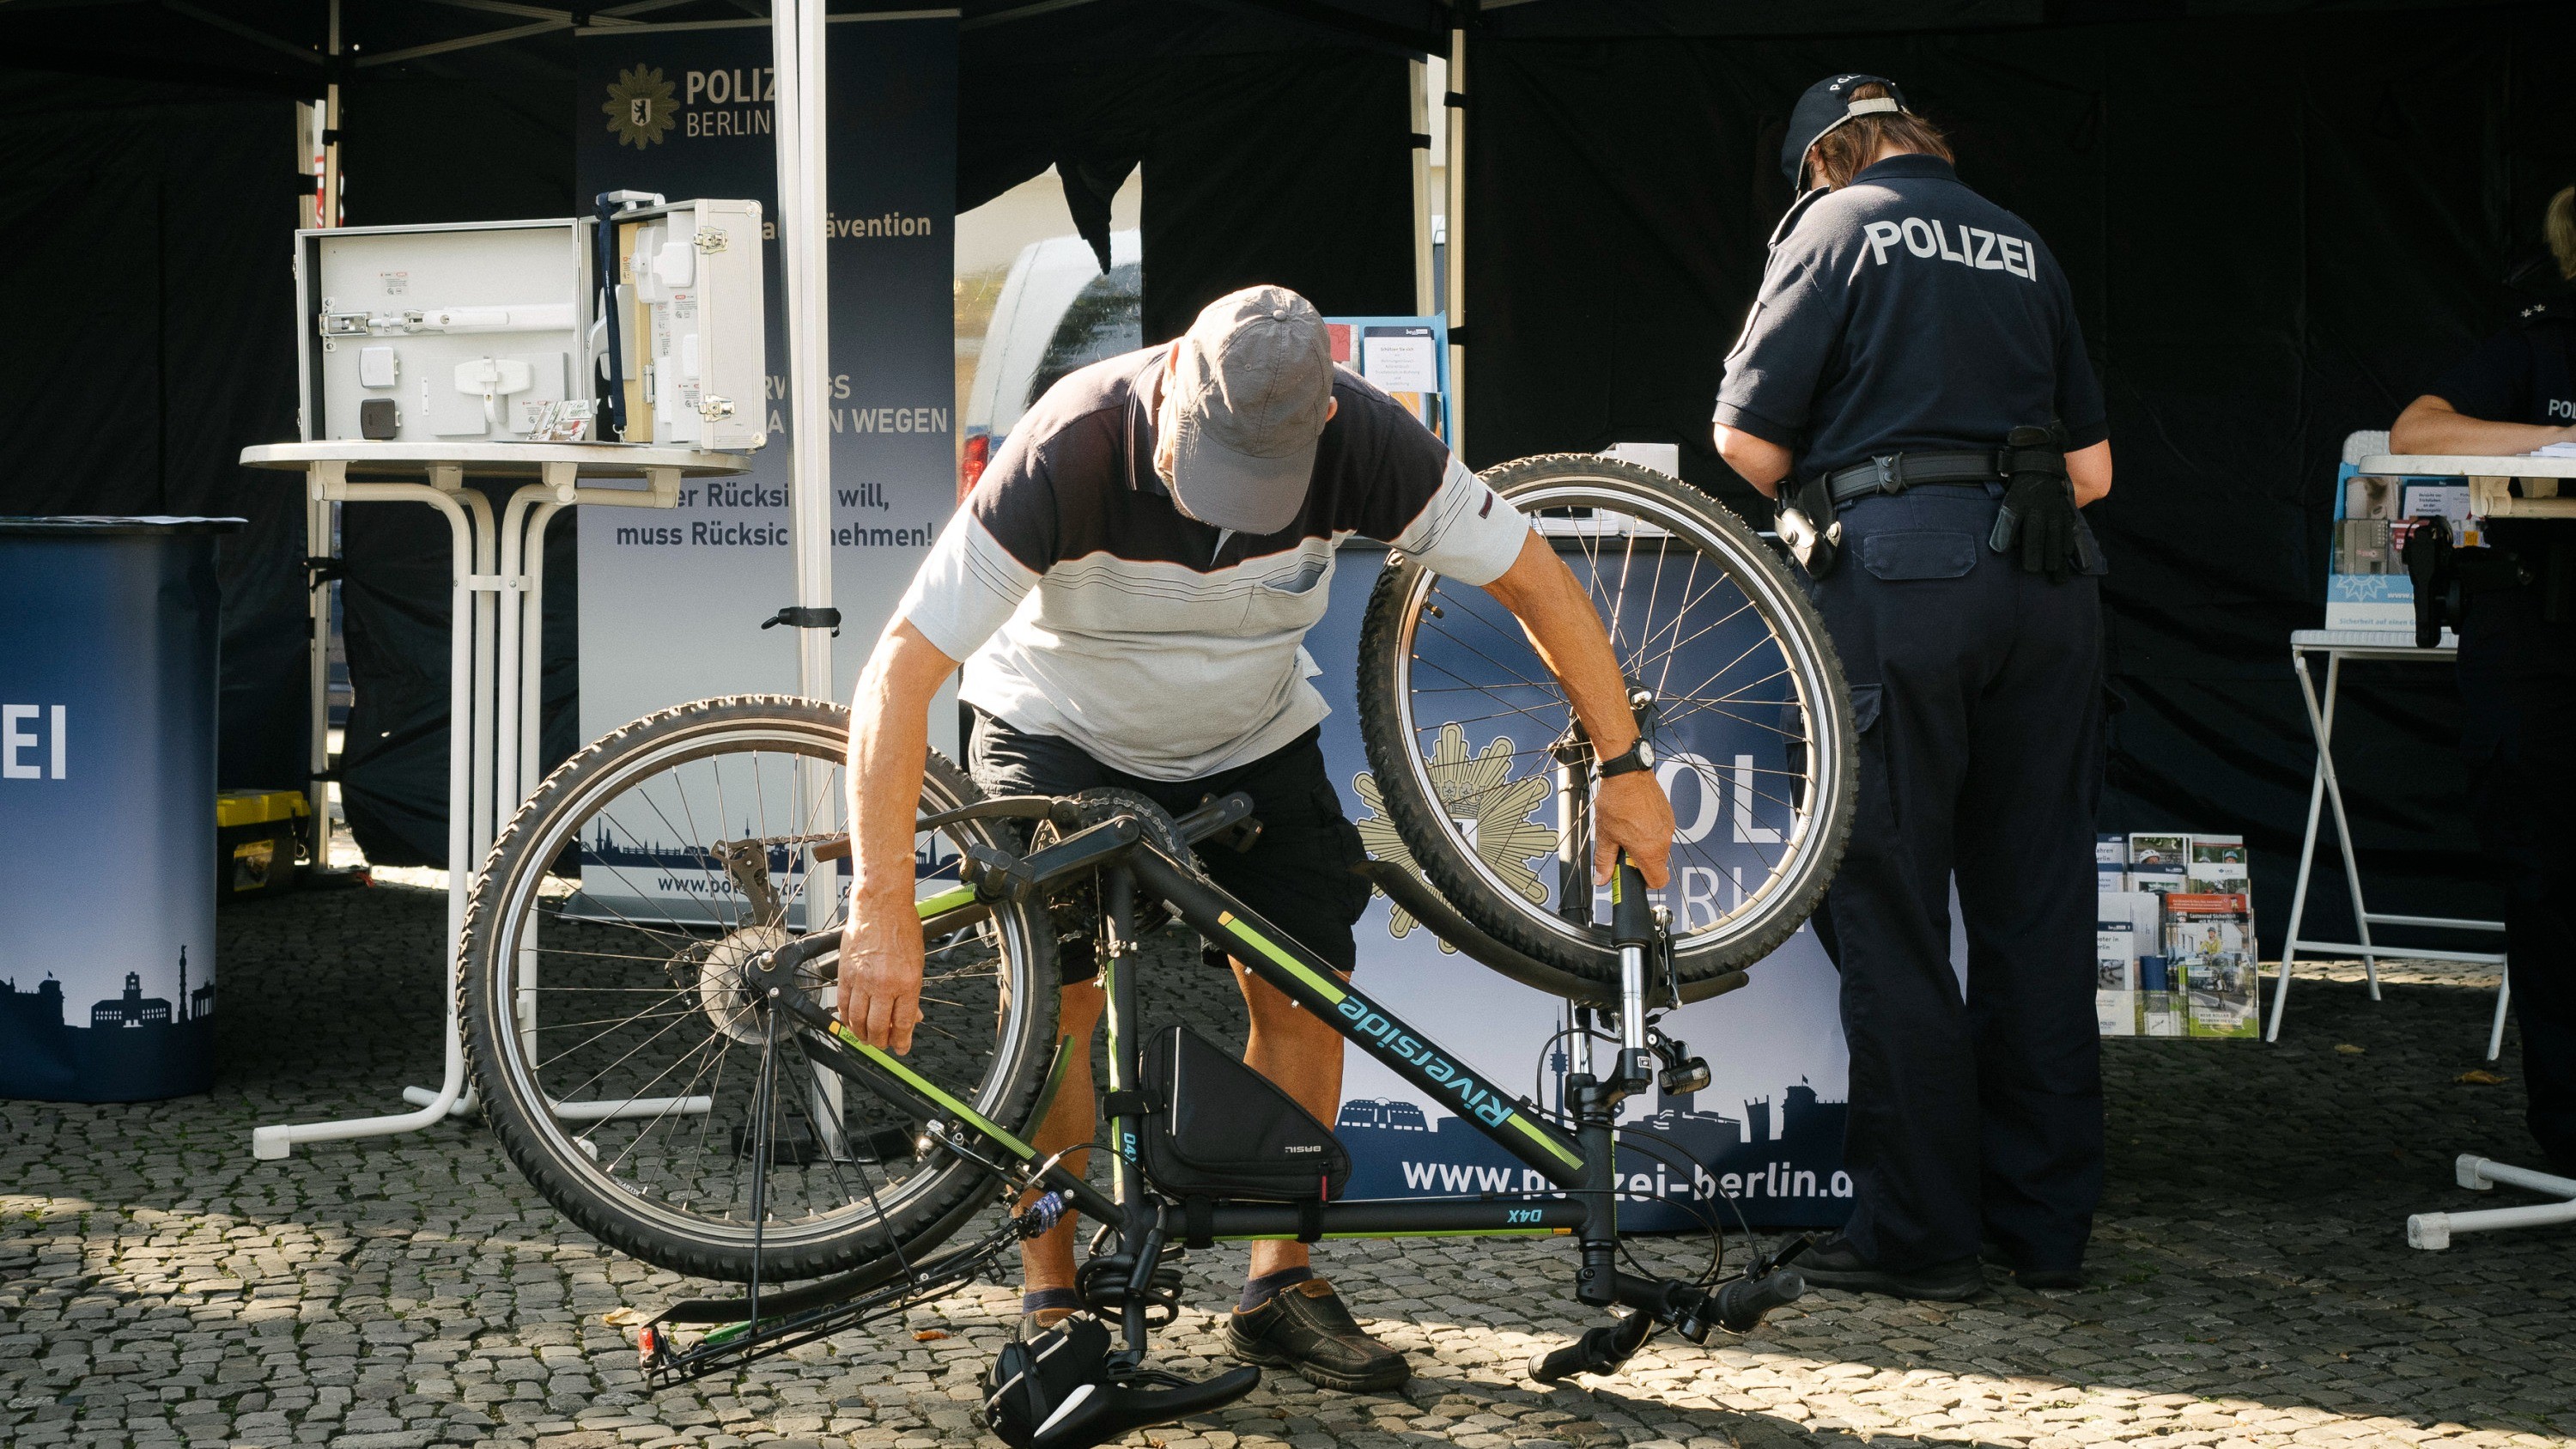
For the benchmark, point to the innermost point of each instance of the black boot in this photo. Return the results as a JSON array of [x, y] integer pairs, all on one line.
[[1835, 1263]]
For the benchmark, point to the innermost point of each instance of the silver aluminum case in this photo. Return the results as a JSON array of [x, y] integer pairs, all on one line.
[[697, 349], [405, 277]]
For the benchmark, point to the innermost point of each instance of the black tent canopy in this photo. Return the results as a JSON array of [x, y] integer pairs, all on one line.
[[2280, 220]]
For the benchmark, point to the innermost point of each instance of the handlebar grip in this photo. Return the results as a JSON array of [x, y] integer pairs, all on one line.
[[1742, 1303], [1557, 1367], [1632, 916]]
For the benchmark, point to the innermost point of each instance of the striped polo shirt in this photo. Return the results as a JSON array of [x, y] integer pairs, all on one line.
[[1087, 607]]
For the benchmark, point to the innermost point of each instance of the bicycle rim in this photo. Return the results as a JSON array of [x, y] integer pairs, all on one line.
[[650, 1086], [1746, 711]]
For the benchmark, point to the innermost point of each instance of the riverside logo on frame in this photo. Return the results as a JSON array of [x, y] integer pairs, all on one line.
[[28, 752]]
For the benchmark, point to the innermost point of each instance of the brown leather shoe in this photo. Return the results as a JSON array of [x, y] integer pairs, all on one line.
[[1305, 1327]]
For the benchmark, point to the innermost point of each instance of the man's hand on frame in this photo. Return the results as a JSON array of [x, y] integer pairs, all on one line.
[[1630, 813]]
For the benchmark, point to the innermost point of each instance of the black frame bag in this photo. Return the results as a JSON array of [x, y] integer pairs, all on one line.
[[1219, 1129]]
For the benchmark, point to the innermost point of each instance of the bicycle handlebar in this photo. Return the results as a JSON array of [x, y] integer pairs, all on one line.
[[1740, 1305]]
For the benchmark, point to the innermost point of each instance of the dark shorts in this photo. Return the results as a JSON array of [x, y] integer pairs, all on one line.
[[1297, 876]]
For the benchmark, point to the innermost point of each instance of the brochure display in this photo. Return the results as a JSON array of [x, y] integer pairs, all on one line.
[[1408, 357], [2174, 938], [107, 736]]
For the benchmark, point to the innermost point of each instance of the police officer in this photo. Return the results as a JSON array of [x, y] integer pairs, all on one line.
[[2516, 393], [1913, 388]]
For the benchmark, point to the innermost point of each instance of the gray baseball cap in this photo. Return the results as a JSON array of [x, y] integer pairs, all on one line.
[[1251, 382]]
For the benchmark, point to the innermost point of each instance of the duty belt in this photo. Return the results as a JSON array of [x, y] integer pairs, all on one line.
[[1896, 472]]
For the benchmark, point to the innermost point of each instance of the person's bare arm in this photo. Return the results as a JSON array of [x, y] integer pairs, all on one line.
[[1629, 811], [1757, 461], [880, 974], [2431, 425], [2090, 470]]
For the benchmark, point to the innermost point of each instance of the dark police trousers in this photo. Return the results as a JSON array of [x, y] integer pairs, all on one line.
[[2518, 686], [1977, 689]]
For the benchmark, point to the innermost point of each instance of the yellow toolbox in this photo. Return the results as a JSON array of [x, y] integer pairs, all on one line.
[[258, 835]]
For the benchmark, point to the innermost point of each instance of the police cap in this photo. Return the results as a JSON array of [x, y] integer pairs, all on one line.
[[1828, 104]]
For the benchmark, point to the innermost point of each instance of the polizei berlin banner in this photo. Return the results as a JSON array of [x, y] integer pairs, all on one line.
[[672, 602]]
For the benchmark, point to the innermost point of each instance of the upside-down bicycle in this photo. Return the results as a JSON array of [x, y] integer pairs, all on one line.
[[649, 955]]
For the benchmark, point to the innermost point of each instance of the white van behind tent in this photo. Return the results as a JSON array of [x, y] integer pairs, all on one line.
[[1057, 311]]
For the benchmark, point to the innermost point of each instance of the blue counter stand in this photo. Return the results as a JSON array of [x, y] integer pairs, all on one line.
[[107, 822]]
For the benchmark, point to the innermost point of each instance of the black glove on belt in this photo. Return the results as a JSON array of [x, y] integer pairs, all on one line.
[[2039, 507]]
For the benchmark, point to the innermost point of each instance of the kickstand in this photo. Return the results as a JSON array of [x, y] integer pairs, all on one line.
[[762, 1094]]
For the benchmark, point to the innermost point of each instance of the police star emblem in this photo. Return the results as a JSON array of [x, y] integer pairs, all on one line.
[[1489, 809], [641, 106]]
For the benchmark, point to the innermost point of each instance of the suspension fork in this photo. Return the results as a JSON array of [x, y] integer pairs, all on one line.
[[1596, 1101]]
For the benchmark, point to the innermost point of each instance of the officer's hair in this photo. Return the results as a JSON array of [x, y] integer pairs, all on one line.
[[1845, 151], [2558, 227]]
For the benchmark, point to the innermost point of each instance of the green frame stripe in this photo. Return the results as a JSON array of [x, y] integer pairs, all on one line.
[[1531, 1130], [1323, 985], [923, 1085], [1403, 1233], [944, 901]]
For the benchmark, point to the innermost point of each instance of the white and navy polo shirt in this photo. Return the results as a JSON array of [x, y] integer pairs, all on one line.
[[1087, 607]]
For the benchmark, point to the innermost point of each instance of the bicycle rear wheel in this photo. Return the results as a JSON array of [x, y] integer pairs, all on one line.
[[1743, 699], [635, 1082]]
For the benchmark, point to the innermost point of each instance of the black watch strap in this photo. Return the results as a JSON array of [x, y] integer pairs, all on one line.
[[1634, 758]]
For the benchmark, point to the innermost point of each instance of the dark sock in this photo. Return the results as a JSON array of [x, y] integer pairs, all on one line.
[[1257, 1291], [1041, 1300]]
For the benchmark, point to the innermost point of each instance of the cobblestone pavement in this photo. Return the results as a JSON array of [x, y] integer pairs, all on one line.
[[2252, 1283]]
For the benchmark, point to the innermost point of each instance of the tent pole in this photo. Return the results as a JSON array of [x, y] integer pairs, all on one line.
[[797, 35], [1456, 281], [1418, 76], [330, 209]]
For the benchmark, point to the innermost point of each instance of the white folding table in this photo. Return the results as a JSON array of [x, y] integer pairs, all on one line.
[[495, 655], [2325, 788], [2498, 488]]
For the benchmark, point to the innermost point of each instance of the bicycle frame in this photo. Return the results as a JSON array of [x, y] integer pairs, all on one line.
[[1580, 1166]]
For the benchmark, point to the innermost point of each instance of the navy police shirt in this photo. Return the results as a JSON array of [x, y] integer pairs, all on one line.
[[1907, 312], [2522, 374]]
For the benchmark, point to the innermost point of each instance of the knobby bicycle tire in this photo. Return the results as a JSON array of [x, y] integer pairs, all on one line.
[[547, 1153], [1424, 824]]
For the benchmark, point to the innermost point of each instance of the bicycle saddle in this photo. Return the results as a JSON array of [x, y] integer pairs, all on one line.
[[1058, 1391]]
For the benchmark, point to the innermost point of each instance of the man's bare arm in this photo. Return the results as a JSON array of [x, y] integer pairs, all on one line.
[[1757, 461], [880, 973], [2431, 425], [1629, 811]]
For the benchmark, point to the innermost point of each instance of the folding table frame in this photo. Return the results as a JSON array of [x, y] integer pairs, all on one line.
[[495, 660], [2338, 645]]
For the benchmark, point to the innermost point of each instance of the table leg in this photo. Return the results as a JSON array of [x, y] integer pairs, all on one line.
[[2434, 1230], [2307, 847], [274, 1142], [2495, 1033], [2343, 828], [318, 544]]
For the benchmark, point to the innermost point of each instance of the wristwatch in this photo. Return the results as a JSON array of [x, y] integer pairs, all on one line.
[[1638, 756]]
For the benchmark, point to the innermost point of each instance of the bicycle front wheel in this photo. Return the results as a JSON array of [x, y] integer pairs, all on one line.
[[1735, 683], [623, 1063]]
